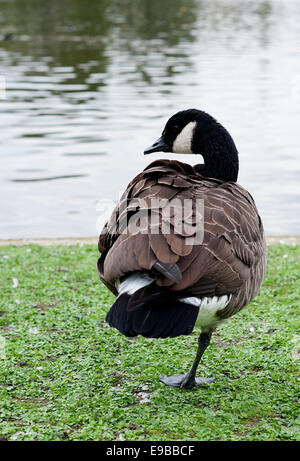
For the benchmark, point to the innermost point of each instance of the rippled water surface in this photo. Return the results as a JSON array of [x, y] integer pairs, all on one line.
[[90, 84]]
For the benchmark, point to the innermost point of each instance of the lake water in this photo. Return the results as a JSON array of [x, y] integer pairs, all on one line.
[[90, 84]]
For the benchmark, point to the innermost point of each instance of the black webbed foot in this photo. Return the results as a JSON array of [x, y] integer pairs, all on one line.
[[186, 381]]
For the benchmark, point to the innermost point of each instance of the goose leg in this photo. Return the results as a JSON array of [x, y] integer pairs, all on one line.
[[189, 380]]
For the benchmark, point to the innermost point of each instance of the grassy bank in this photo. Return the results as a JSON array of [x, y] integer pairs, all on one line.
[[64, 374]]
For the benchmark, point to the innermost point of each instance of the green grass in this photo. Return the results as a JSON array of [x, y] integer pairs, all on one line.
[[64, 374]]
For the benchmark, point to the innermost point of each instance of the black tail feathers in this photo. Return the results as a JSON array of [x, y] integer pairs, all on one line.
[[153, 313]]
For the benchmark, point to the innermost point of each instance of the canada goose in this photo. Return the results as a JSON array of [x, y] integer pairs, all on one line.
[[165, 282]]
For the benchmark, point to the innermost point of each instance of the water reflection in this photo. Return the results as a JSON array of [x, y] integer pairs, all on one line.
[[90, 84]]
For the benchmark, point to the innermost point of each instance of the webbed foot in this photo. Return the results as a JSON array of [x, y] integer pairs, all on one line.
[[186, 381]]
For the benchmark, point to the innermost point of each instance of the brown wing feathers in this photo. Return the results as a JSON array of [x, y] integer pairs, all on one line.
[[230, 259]]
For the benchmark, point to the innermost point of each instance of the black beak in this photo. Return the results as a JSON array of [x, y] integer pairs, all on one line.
[[159, 146]]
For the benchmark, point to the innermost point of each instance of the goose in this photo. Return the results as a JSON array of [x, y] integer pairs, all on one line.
[[170, 278]]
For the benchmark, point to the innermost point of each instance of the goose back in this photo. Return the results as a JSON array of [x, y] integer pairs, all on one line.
[[231, 258]]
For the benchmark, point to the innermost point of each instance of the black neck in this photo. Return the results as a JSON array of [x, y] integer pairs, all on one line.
[[219, 153]]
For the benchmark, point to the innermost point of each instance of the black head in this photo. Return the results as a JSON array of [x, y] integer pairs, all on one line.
[[195, 132], [178, 133]]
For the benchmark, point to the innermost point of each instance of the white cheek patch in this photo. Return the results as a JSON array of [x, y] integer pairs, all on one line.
[[183, 141]]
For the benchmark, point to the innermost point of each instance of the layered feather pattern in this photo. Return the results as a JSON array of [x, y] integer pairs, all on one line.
[[231, 259]]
